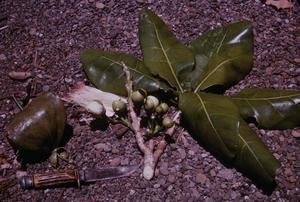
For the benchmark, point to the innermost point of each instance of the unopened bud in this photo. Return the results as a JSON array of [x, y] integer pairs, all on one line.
[[96, 107], [119, 107], [167, 122]]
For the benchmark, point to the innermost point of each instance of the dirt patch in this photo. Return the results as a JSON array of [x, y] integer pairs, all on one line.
[[45, 38]]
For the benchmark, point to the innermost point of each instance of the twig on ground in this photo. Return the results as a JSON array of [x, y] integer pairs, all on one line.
[[151, 155], [3, 28], [17, 103]]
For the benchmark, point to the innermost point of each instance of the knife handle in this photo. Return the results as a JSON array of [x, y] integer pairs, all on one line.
[[40, 181]]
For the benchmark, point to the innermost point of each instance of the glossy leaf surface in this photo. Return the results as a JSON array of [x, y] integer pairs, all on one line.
[[105, 71], [163, 53], [216, 122], [40, 126], [224, 56], [272, 109]]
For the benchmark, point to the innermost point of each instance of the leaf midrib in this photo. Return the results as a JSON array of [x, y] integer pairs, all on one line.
[[210, 121], [267, 98], [167, 58], [132, 69], [249, 148], [213, 71]]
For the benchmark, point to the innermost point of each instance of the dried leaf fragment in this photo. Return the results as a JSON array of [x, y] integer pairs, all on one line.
[[19, 75], [280, 4]]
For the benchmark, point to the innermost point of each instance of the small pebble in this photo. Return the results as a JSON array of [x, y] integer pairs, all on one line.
[[68, 80], [100, 5], [200, 178], [2, 57], [204, 155], [296, 133], [163, 169], [226, 174], [191, 152], [212, 173], [102, 147], [46, 88], [233, 195], [124, 161], [281, 138], [195, 193], [182, 153], [170, 187], [156, 186], [288, 172], [115, 161], [32, 31], [171, 178], [131, 192]]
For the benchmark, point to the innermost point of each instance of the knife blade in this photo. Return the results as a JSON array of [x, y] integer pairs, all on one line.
[[74, 177]]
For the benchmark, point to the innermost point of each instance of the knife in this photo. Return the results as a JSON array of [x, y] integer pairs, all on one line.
[[74, 177]]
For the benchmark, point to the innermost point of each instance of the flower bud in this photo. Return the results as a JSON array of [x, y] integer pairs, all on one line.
[[167, 122], [138, 97], [159, 109], [63, 155], [96, 107], [151, 103], [119, 107], [53, 159], [164, 107]]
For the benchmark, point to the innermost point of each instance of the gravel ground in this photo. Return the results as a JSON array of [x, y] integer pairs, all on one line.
[[45, 38]]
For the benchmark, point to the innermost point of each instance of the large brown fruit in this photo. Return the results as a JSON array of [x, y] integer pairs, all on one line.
[[39, 127]]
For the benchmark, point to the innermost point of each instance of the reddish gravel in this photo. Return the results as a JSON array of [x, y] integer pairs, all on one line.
[[45, 38]]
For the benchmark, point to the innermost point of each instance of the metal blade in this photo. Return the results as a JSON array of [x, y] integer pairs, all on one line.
[[92, 175]]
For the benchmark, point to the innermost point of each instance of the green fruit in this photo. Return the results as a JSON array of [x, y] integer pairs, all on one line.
[[53, 159], [151, 103], [119, 107], [159, 109], [63, 155], [167, 122], [164, 107], [96, 107], [138, 96]]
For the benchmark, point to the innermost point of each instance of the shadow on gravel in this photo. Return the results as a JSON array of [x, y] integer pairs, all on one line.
[[26, 157], [99, 124], [267, 189]]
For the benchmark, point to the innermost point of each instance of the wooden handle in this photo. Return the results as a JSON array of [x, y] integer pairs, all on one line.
[[39, 181]]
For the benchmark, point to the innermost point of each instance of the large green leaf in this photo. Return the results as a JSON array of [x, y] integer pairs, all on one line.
[[163, 53], [105, 71], [224, 56], [272, 109], [215, 121]]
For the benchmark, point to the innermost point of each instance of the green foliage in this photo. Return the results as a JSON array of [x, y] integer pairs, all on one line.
[[223, 56], [104, 70], [218, 59], [272, 109], [218, 125], [163, 53]]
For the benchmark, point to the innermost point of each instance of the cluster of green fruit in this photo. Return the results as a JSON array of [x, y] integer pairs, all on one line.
[[156, 111]]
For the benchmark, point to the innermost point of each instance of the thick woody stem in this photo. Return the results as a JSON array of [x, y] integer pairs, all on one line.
[[148, 153], [151, 157], [134, 118]]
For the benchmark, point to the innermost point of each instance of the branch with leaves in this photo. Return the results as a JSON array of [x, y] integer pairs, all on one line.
[[195, 77]]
